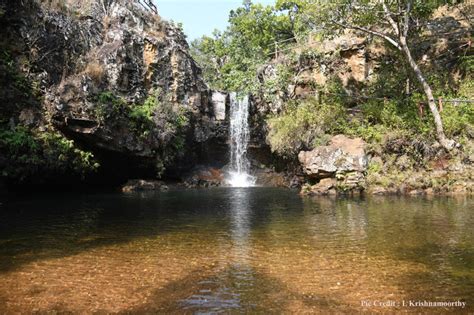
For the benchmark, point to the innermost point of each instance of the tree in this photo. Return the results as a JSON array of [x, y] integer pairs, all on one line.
[[230, 59], [301, 22], [393, 21]]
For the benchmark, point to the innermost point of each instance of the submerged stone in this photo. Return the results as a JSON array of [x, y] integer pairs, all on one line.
[[143, 185]]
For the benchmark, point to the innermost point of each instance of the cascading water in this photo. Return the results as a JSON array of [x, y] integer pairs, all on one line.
[[239, 138]]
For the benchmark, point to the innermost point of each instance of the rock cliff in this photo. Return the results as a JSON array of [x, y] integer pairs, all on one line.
[[115, 79]]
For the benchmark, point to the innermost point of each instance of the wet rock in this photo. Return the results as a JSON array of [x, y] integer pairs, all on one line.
[[459, 188], [429, 191], [219, 105], [326, 186], [204, 177], [143, 185], [270, 178], [415, 192], [295, 182], [378, 190]]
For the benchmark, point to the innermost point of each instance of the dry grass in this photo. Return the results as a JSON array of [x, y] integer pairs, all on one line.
[[56, 5], [95, 71], [75, 7]]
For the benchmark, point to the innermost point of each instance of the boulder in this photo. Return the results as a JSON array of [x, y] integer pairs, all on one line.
[[342, 155], [351, 182], [204, 177], [327, 186], [143, 185], [269, 178]]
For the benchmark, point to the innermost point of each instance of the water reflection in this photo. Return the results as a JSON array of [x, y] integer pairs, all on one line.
[[240, 226], [231, 250], [234, 279]]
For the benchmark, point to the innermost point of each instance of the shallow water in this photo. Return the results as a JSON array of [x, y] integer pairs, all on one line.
[[234, 250]]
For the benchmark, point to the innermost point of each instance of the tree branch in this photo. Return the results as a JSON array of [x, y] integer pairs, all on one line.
[[407, 19], [369, 31], [388, 15]]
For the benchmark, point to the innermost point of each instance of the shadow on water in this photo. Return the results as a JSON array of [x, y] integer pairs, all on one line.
[[203, 291], [237, 250], [55, 226], [235, 285]]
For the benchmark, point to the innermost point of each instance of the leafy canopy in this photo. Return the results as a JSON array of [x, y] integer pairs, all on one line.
[[230, 59]]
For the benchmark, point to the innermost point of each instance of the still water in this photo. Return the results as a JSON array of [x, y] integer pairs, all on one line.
[[234, 250]]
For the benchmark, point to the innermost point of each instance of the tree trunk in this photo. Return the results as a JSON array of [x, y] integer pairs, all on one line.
[[448, 144]]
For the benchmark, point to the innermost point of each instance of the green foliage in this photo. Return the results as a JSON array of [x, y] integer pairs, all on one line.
[[371, 133], [467, 63], [466, 87], [108, 105], [395, 114], [458, 119], [362, 12], [230, 59], [374, 168], [303, 125], [210, 54], [271, 87], [12, 77], [296, 10], [156, 119], [141, 115], [163, 115], [33, 154]]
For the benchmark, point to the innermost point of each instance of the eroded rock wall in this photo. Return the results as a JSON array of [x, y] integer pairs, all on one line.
[[93, 63]]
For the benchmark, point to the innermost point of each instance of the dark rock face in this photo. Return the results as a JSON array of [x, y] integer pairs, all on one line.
[[134, 56], [76, 54]]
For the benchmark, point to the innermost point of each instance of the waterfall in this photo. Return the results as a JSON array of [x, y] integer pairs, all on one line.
[[239, 138]]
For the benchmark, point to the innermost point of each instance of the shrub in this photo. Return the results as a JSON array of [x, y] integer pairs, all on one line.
[[279, 82], [28, 154], [109, 105], [458, 119], [164, 120], [304, 125], [141, 115], [371, 133]]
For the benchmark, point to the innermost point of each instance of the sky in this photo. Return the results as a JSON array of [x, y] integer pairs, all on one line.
[[200, 17]]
